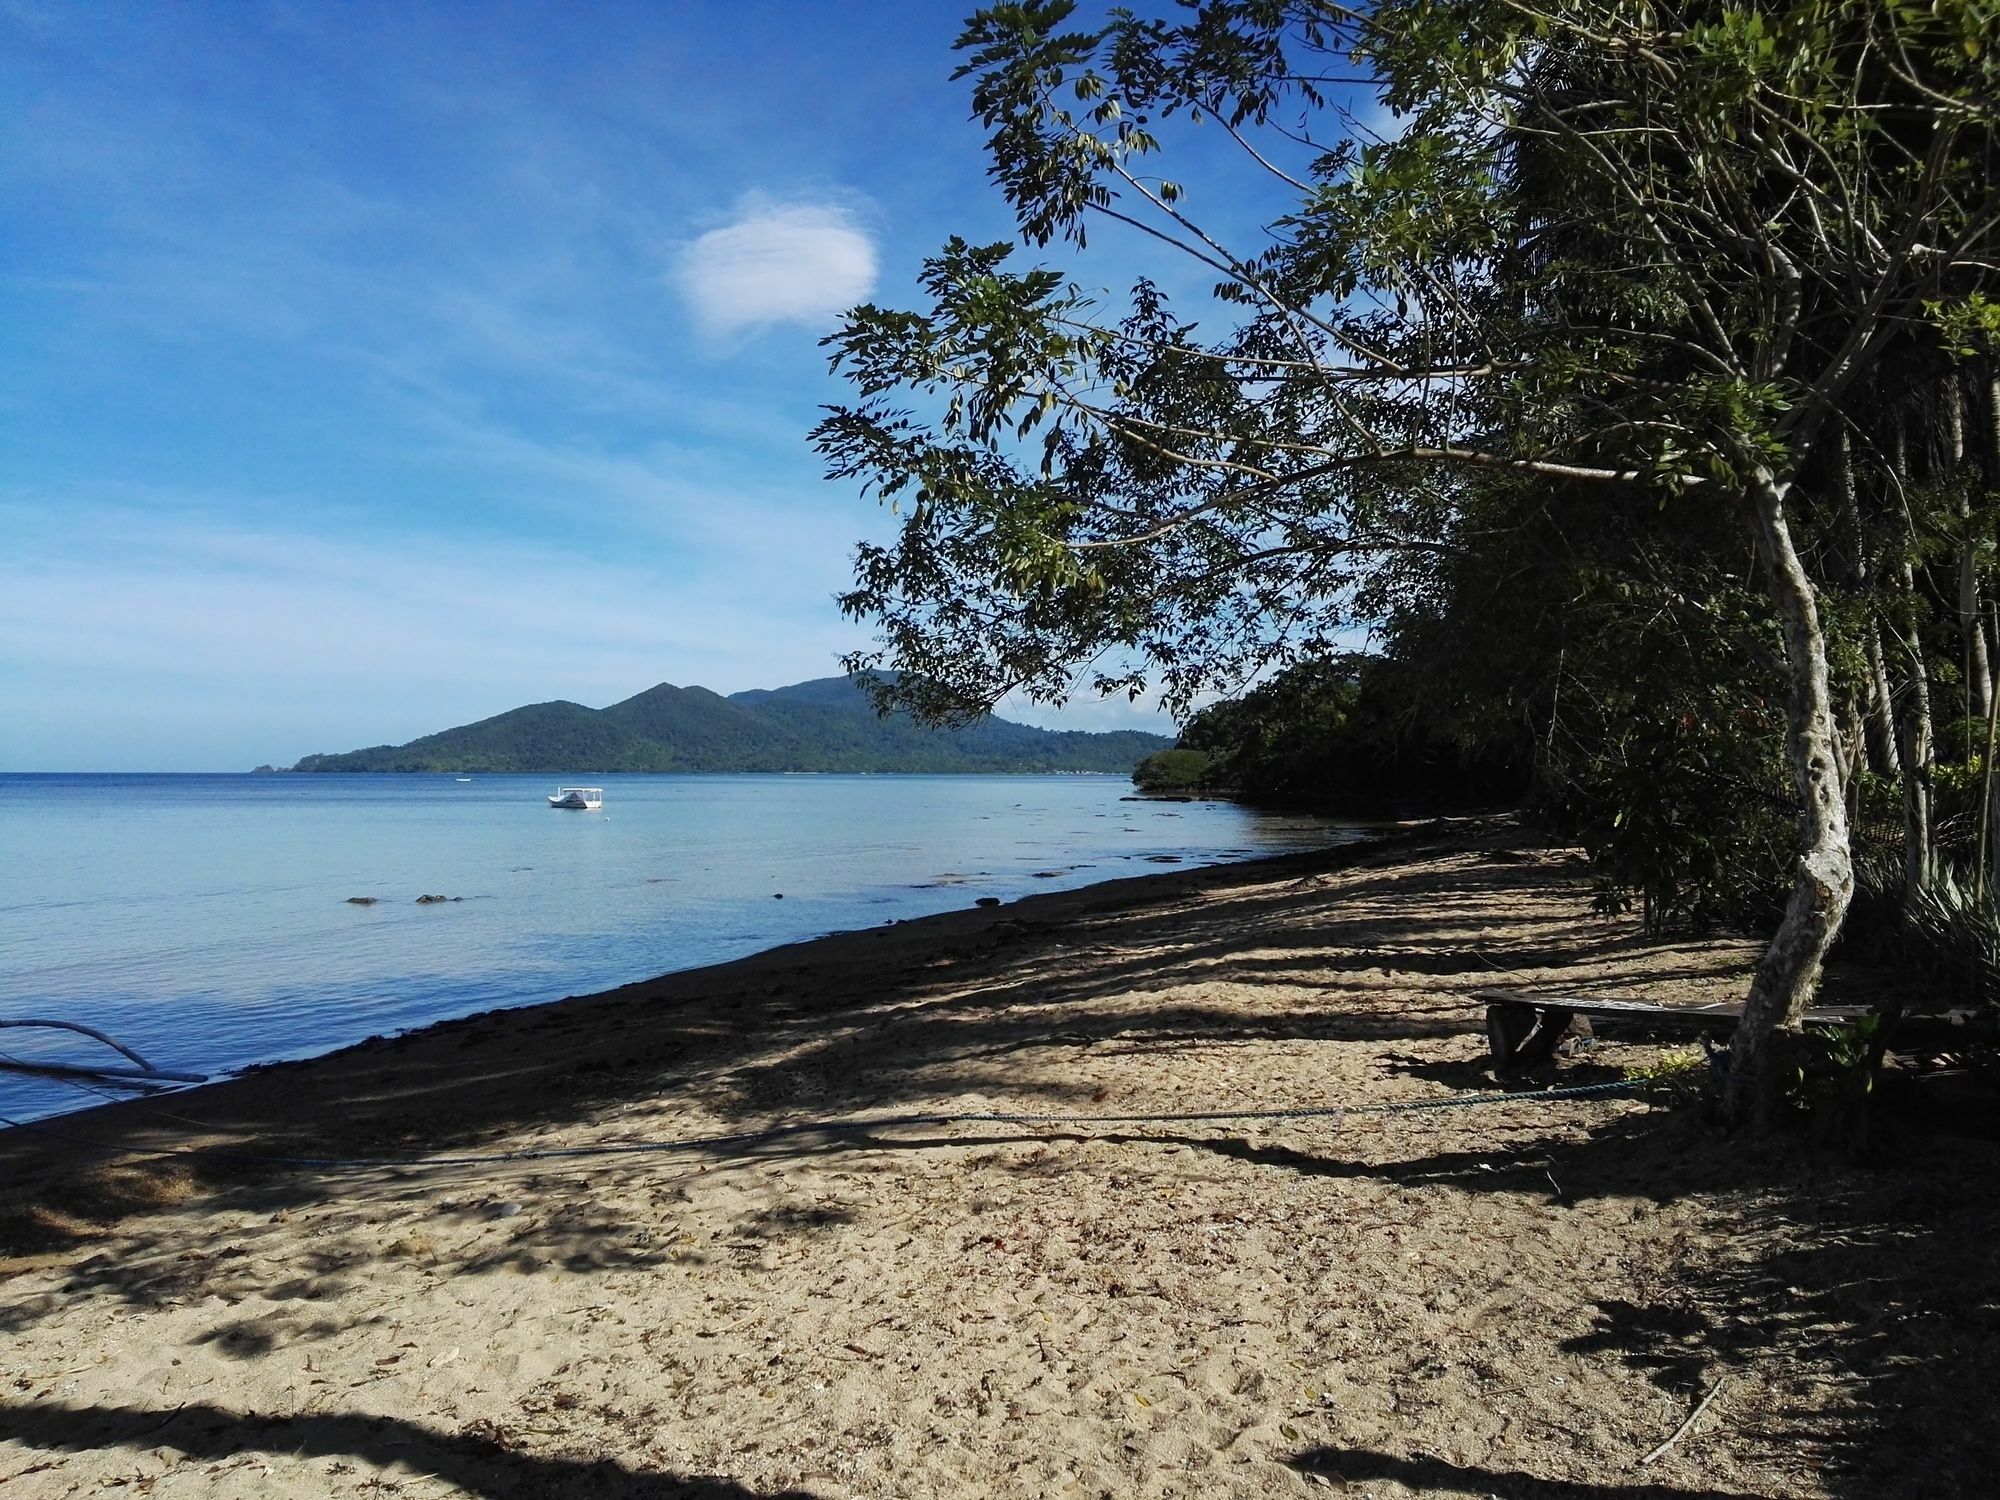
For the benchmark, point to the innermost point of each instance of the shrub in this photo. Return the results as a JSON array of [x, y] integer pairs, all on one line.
[[1174, 770]]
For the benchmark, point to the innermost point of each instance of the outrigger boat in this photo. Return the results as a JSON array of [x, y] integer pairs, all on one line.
[[582, 798], [142, 1072]]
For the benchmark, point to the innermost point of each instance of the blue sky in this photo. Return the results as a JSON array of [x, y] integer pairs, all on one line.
[[373, 368]]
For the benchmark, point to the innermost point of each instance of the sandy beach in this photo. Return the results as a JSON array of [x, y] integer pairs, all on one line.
[[1525, 1298]]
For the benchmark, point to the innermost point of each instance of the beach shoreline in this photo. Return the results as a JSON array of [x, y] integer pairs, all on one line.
[[223, 926], [1521, 1298], [240, 1103]]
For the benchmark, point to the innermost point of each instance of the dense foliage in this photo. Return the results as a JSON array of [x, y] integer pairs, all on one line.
[[1632, 376], [1177, 769], [825, 725], [1340, 735]]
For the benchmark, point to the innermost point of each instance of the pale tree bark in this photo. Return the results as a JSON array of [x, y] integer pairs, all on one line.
[[1823, 884], [1989, 810], [1978, 684], [1878, 706], [1989, 807], [1985, 680], [1848, 748], [1913, 719], [1972, 630], [1881, 708], [1915, 725]]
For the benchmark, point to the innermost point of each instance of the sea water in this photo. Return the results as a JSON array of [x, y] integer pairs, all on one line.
[[208, 921]]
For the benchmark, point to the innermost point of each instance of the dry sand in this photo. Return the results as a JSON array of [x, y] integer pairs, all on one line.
[[1514, 1299]]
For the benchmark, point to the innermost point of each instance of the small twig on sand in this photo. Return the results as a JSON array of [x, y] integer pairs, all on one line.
[[1692, 1418]]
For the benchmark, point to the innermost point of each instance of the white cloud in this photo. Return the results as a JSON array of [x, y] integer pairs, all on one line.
[[777, 263], [1089, 712]]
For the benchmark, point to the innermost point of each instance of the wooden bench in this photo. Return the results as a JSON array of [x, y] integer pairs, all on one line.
[[1524, 1027]]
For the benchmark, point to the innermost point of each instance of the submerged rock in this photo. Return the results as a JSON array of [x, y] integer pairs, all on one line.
[[362, 900], [434, 900]]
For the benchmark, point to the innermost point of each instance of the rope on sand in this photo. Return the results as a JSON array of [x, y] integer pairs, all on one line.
[[828, 1127]]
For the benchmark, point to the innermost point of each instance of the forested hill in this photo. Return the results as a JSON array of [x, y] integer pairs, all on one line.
[[825, 725]]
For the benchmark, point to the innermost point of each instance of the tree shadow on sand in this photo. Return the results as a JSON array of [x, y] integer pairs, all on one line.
[[1434, 1476], [780, 1031], [1881, 1282], [480, 1461], [1877, 1283]]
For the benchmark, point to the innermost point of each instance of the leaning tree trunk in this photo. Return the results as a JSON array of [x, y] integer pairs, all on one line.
[[1789, 973]]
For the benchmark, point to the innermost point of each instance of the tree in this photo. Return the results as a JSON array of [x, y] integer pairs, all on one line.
[[1654, 249], [1178, 769]]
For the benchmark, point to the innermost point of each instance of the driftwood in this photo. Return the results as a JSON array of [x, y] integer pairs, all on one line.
[[1687, 1426]]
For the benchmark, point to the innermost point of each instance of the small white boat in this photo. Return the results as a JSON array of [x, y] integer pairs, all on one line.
[[465, 778], [582, 798]]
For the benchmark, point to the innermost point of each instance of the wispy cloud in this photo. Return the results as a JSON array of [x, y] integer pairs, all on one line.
[[1087, 712], [777, 263], [160, 605]]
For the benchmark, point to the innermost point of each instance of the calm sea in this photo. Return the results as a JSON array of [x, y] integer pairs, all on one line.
[[205, 920]]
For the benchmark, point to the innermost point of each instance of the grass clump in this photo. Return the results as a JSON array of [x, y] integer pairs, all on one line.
[[1678, 1074]]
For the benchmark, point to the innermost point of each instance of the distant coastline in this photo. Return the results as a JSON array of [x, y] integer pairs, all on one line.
[[825, 726]]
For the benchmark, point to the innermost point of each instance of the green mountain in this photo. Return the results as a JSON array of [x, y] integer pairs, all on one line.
[[825, 725]]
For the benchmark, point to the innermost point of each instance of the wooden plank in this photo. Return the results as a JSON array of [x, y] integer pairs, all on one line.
[[1524, 1027], [1705, 1016], [1602, 1007]]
